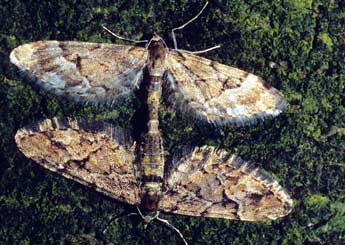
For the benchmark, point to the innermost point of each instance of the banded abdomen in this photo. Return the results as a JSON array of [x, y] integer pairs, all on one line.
[[152, 156]]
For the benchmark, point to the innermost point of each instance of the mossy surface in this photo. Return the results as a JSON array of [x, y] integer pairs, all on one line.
[[297, 46]]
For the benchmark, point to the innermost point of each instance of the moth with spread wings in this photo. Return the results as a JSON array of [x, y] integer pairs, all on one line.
[[203, 182], [100, 73]]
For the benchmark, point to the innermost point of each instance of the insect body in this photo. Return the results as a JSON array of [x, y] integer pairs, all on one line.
[[101, 73], [152, 162]]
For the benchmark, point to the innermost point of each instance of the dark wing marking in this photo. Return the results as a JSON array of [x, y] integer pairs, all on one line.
[[93, 72], [218, 93], [94, 154], [218, 184]]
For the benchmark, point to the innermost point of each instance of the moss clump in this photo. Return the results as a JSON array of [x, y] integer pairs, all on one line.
[[326, 39], [317, 200], [301, 4]]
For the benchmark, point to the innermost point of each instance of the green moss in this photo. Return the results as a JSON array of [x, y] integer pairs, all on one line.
[[310, 105], [11, 41], [326, 39], [301, 4], [317, 200]]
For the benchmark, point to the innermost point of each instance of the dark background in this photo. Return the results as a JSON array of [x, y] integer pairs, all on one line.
[[304, 42]]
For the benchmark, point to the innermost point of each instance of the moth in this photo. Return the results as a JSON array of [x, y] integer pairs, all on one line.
[[205, 181], [100, 73]]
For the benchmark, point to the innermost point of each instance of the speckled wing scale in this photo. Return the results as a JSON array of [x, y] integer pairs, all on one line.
[[94, 154], [212, 183], [89, 72]]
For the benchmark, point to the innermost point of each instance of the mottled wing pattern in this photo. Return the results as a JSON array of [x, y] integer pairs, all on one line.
[[218, 184], [92, 72], [94, 154], [218, 93]]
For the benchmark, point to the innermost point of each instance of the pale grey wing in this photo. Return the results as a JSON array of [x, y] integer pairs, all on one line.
[[94, 154], [90, 72], [218, 93], [215, 183]]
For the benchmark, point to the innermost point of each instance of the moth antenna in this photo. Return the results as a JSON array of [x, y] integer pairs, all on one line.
[[116, 219], [185, 24], [123, 38], [201, 51], [140, 213], [165, 222]]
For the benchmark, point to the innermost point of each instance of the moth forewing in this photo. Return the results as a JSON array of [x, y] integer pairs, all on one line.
[[218, 93], [94, 154], [89, 72]]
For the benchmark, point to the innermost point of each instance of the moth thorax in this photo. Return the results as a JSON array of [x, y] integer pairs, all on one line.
[[153, 112], [157, 54], [152, 126], [151, 196]]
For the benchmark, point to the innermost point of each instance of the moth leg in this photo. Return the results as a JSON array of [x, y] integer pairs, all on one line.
[[185, 24], [123, 38], [114, 219], [165, 222]]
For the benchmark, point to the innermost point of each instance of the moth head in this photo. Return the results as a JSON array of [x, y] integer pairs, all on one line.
[[157, 50], [156, 42], [150, 200]]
